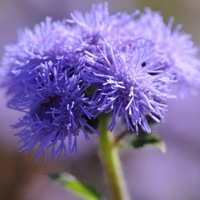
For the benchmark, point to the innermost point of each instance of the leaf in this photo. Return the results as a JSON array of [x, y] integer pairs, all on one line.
[[72, 184], [149, 139]]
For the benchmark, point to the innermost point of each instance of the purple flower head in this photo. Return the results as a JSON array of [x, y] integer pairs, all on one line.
[[91, 26], [98, 24], [176, 44], [44, 79], [49, 41], [63, 75], [130, 83], [55, 109]]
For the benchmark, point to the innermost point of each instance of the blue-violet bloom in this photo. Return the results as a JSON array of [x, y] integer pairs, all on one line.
[[129, 83], [64, 74]]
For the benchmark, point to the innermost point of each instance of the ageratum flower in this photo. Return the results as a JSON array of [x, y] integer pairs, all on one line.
[[63, 75], [93, 25], [176, 44], [50, 41], [131, 83], [98, 24], [44, 79], [55, 111]]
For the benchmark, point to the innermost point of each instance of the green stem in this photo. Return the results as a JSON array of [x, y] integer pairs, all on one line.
[[112, 162]]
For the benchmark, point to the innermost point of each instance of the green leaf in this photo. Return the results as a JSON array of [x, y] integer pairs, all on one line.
[[149, 139], [75, 186]]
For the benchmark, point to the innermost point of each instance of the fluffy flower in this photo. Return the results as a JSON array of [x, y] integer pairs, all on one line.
[[98, 24], [64, 74], [43, 77], [176, 44], [49, 41], [55, 111], [93, 25], [129, 83]]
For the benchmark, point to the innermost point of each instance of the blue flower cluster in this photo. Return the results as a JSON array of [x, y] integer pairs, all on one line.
[[64, 74]]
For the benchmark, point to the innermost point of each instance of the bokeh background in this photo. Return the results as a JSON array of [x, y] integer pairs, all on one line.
[[150, 174]]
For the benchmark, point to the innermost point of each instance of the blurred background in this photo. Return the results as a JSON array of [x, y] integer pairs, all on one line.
[[150, 174]]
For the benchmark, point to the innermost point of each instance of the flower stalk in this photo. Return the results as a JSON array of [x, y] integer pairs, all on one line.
[[111, 162]]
